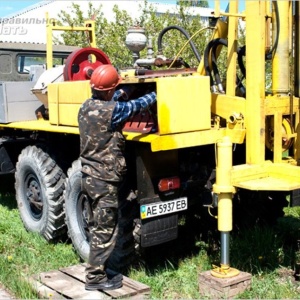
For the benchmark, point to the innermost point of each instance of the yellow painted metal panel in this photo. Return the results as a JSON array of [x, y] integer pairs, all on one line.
[[248, 172], [183, 104], [269, 184], [64, 100], [69, 92], [283, 170], [282, 104], [237, 136], [65, 115], [188, 139], [41, 125], [266, 176], [225, 106], [255, 84]]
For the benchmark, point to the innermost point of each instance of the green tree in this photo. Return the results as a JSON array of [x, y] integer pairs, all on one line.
[[111, 35], [201, 3]]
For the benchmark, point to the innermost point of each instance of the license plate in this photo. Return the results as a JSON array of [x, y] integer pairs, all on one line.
[[162, 208]]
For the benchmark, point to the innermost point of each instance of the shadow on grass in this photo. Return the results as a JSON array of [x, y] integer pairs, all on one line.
[[265, 234], [197, 231], [265, 237]]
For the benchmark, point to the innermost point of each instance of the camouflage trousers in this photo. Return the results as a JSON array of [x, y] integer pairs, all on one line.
[[103, 224]]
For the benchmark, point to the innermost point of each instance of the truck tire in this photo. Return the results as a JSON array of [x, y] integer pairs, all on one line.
[[39, 185], [77, 210]]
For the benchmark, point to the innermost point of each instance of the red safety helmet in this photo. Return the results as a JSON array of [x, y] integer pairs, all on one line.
[[105, 77]]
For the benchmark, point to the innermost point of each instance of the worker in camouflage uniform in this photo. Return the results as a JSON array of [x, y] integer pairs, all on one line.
[[103, 167]]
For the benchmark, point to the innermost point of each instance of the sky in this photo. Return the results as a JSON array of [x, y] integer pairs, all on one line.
[[10, 7]]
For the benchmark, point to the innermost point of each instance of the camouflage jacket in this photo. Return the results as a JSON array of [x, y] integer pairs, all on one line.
[[101, 148]]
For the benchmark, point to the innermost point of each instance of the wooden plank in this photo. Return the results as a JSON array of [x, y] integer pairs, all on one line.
[[123, 292], [77, 271], [130, 287], [43, 291], [69, 283], [68, 286]]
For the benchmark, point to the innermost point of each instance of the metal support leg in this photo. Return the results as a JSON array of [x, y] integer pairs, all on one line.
[[225, 238], [224, 189]]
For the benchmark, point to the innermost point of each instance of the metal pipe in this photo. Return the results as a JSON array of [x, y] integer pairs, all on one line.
[[144, 62], [280, 74], [225, 238], [154, 73]]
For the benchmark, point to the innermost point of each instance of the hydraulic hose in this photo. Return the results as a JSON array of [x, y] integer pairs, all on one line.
[[241, 53], [214, 62], [211, 50], [206, 61], [184, 32]]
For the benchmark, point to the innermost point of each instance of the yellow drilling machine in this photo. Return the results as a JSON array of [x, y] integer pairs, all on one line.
[[206, 139]]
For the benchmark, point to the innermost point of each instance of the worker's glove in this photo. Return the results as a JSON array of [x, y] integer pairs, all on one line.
[[128, 91]]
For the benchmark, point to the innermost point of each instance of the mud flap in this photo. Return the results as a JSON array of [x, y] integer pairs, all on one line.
[[6, 165], [159, 230]]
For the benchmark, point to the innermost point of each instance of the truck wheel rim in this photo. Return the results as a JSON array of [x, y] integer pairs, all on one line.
[[34, 199]]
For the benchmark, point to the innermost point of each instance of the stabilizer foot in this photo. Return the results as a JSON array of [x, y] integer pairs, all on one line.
[[224, 271]]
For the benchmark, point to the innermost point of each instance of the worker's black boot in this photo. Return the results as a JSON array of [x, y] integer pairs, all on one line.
[[103, 286], [103, 281], [113, 275]]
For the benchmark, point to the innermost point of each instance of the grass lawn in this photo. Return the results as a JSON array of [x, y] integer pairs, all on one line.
[[269, 253]]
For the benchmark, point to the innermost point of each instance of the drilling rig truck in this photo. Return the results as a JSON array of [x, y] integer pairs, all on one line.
[[206, 139]]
